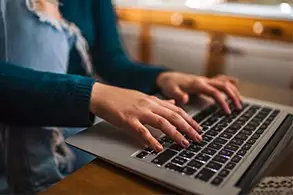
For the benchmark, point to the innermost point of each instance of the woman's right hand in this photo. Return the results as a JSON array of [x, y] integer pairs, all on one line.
[[131, 109]]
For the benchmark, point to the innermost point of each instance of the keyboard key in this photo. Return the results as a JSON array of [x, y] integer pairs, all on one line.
[[235, 126], [217, 181], [241, 136], [218, 128], [263, 127], [226, 153], [220, 140], [142, 154], [220, 159], [203, 143], [241, 152], [207, 138], [230, 165], [212, 133], [249, 128], [236, 159], [246, 132], [167, 139], [215, 146], [266, 110], [276, 112], [204, 114], [231, 131], [195, 164], [209, 151], [163, 157], [188, 170], [246, 147], [202, 157], [176, 147], [148, 149], [224, 173], [205, 174], [214, 165], [226, 135], [255, 136], [186, 154], [205, 128], [208, 123], [231, 147], [179, 160], [237, 142], [173, 167], [255, 107], [259, 131], [251, 141], [194, 148]]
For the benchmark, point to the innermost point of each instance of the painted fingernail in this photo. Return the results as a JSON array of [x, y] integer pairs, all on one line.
[[185, 143], [200, 129], [159, 148], [199, 138]]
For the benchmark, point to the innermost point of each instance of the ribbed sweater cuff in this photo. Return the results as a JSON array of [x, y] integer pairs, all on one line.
[[82, 97]]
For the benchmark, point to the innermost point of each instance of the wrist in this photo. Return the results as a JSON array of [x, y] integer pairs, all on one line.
[[96, 92]]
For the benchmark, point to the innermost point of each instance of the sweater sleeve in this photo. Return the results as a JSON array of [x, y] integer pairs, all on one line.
[[33, 98], [109, 58]]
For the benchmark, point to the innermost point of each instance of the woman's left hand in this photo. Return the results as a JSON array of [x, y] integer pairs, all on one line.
[[178, 86]]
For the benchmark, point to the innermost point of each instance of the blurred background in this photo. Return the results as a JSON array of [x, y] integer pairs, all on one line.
[[250, 40]]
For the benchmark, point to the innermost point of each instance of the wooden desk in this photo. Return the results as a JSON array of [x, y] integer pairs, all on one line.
[[217, 23], [100, 177]]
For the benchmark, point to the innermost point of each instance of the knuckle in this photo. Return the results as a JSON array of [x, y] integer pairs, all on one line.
[[153, 97], [143, 102], [141, 131], [174, 116], [161, 122], [226, 85]]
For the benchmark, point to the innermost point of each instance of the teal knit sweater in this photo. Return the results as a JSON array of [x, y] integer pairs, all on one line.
[[44, 99]]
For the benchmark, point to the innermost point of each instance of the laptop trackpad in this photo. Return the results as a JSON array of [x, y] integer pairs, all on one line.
[[104, 138]]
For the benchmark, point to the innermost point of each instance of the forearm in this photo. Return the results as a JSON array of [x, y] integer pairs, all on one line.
[[35, 98]]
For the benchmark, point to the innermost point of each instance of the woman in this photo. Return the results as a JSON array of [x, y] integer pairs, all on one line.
[[37, 35]]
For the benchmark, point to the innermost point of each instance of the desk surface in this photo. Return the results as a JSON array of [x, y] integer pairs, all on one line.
[[100, 177]]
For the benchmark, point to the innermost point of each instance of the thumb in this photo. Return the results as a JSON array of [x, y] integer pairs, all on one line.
[[178, 94]]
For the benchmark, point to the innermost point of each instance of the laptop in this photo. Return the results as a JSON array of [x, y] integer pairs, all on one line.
[[236, 152]]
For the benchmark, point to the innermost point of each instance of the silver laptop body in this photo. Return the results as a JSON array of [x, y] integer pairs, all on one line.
[[121, 147]]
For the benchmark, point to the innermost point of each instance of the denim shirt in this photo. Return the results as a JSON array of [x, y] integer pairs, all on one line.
[[36, 157]]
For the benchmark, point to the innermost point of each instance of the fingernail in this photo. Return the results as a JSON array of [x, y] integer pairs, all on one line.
[[199, 138], [159, 148], [200, 129], [240, 106], [185, 143]]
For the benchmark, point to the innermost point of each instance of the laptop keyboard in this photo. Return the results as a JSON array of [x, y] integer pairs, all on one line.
[[226, 141]]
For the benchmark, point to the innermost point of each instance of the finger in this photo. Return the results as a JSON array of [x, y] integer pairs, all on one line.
[[178, 121], [178, 94], [165, 126], [183, 114], [169, 101], [216, 94], [147, 136], [232, 80], [236, 91], [227, 88]]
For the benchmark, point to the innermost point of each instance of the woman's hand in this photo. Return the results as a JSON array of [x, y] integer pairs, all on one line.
[[132, 110], [178, 86]]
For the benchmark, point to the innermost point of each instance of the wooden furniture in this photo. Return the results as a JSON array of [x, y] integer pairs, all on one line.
[[217, 23], [100, 177]]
